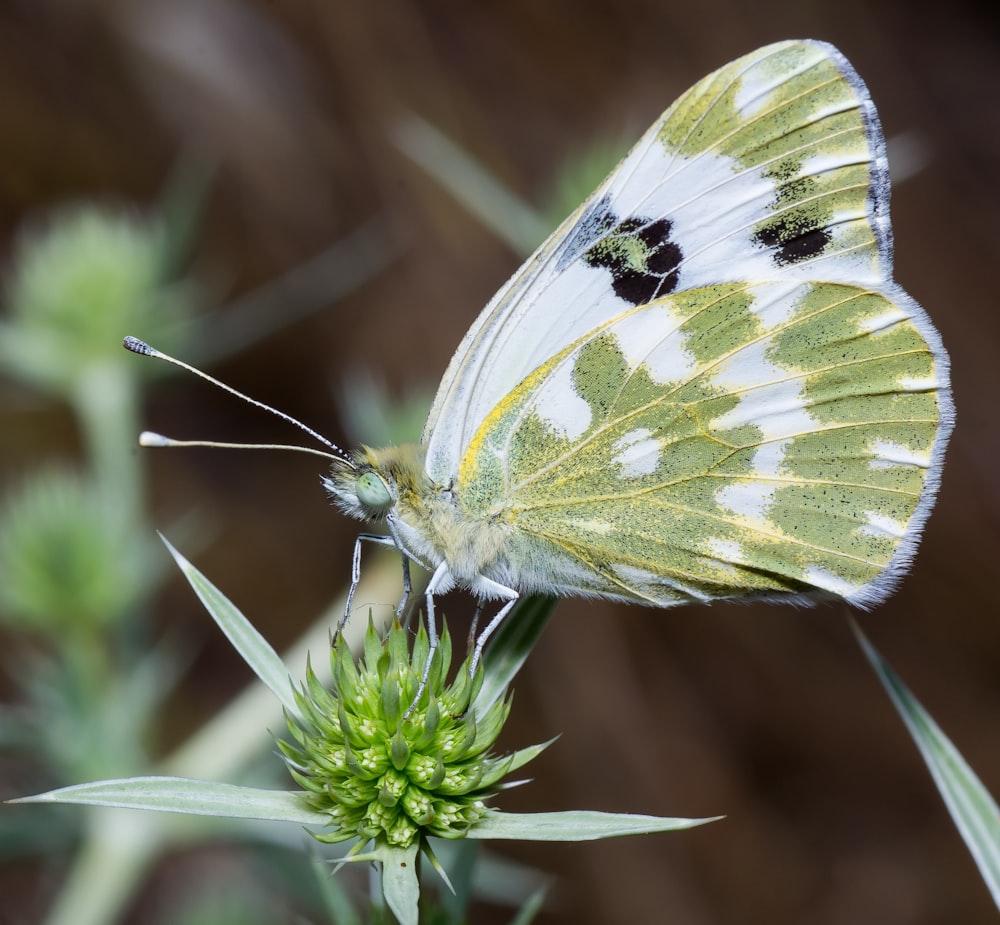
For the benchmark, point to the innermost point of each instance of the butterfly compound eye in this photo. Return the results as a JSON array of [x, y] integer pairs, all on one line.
[[372, 492]]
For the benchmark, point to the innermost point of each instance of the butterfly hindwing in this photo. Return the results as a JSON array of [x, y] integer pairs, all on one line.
[[726, 441]]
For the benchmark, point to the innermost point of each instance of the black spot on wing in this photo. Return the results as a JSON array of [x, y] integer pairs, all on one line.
[[642, 258], [793, 241], [664, 255]]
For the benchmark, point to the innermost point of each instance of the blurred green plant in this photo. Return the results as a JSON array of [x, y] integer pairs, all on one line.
[[79, 280], [69, 564], [78, 566]]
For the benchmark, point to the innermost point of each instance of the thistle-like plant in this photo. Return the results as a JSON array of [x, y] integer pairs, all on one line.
[[378, 773], [370, 772]]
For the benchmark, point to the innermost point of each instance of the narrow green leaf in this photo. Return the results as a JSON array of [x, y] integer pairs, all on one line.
[[523, 755], [580, 825], [336, 900], [510, 646], [254, 649], [400, 885], [470, 183], [532, 906], [972, 809], [432, 859], [184, 795]]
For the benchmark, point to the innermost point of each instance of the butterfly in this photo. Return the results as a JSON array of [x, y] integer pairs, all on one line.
[[704, 385]]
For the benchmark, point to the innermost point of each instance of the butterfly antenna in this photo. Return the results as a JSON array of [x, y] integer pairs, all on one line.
[[150, 439]]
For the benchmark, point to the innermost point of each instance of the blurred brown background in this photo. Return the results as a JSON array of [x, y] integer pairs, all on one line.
[[765, 714]]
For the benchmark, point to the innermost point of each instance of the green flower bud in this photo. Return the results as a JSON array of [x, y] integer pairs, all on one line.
[[377, 775]]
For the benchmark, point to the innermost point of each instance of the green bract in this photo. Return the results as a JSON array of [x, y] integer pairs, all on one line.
[[379, 774]]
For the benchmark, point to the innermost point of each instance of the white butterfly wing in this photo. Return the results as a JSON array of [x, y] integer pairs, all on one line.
[[771, 168]]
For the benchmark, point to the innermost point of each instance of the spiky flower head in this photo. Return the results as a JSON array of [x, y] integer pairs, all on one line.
[[380, 774]]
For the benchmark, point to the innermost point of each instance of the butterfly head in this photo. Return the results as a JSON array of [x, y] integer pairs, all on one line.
[[374, 483]]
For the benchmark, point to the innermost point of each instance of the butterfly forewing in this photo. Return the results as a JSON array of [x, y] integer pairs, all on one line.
[[772, 167], [780, 157]]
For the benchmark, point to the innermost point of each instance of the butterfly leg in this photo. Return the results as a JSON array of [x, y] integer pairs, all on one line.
[[473, 627], [499, 590], [406, 588], [441, 581], [356, 576]]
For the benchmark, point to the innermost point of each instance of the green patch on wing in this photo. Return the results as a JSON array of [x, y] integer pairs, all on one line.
[[790, 114], [788, 455]]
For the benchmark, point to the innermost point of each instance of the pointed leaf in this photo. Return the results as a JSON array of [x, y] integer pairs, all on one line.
[[499, 768], [465, 178], [400, 884], [532, 906], [432, 858], [579, 825], [372, 644], [336, 900], [183, 795], [972, 809], [523, 755], [254, 649]]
